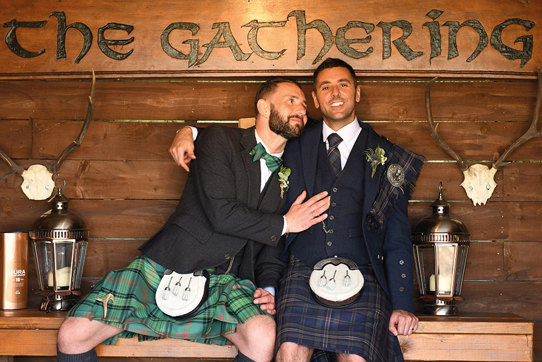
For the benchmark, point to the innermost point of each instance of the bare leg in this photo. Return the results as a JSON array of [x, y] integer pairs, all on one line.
[[79, 335], [341, 357], [289, 352], [255, 338]]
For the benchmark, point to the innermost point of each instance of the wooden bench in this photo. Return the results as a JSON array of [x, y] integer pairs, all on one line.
[[30, 332]]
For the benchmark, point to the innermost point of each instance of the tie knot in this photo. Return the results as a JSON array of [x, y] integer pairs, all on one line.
[[334, 140], [259, 152]]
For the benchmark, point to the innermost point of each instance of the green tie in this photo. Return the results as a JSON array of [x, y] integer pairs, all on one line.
[[272, 162]]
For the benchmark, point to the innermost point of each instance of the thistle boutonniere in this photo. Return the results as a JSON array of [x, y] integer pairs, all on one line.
[[375, 157], [284, 173]]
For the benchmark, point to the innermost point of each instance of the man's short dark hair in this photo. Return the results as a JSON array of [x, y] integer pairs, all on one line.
[[268, 87], [333, 63]]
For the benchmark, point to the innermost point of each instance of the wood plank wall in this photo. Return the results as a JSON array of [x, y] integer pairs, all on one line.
[[123, 183]]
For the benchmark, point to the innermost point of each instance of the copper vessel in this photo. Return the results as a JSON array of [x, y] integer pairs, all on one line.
[[13, 270]]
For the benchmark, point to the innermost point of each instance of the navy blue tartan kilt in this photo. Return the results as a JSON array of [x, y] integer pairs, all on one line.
[[360, 328]]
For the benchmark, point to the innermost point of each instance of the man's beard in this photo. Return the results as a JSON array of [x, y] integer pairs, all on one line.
[[282, 126]]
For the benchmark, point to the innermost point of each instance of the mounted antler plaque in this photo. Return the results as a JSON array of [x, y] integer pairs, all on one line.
[[38, 181], [479, 180]]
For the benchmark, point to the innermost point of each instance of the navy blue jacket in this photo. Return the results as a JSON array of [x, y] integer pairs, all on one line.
[[385, 225]]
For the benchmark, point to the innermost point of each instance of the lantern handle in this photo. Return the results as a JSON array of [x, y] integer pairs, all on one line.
[[58, 186]]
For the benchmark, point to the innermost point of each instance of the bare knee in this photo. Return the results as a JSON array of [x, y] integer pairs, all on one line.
[[256, 338], [79, 335], [71, 332], [289, 351], [341, 357], [261, 338]]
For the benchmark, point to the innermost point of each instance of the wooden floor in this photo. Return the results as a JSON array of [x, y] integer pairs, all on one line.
[[479, 337]]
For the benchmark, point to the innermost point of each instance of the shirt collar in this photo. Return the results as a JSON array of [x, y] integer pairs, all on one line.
[[348, 133], [259, 140]]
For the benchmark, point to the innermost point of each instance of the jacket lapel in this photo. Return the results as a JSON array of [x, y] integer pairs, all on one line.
[[309, 150], [248, 141]]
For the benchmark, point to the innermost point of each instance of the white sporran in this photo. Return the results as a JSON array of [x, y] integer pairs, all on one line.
[[180, 295], [336, 281]]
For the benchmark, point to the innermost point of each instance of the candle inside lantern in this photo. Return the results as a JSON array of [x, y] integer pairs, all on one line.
[[444, 283], [63, 276], [432, 283]]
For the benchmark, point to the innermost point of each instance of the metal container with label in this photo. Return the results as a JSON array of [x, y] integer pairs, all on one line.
[[13, 270]]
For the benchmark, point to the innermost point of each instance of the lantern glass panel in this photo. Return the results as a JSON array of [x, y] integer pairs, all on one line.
[[427, 262], [64, 253], [463, 253], [80, 251], [43, 252], [446, 254]]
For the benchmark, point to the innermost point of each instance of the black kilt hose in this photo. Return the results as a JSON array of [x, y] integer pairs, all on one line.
[[360, 328]]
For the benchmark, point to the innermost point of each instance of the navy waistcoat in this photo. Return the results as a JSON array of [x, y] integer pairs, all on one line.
[[341, 233]]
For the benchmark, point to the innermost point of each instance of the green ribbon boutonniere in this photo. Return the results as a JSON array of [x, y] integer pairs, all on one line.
[[375, 157], [284, 173]]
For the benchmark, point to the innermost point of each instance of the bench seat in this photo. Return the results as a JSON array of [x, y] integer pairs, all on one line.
[[30, 332]]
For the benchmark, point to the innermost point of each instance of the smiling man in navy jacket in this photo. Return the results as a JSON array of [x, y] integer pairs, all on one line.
[[369, 180]]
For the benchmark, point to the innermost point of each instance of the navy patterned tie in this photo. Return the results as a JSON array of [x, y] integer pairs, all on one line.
[[271, 161], [333, 153]]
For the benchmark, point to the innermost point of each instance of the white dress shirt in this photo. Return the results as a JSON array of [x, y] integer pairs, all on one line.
[[348, 133], [264, 170]]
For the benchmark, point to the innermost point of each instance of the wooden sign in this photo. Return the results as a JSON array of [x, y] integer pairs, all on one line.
[[44, 38]]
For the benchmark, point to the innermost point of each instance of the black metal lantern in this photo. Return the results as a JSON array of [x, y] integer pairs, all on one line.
[[59, 243], [441, 246]]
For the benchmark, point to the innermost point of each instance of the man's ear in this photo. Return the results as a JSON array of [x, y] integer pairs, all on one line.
[[315, 100], [263, 107], [358, 93]]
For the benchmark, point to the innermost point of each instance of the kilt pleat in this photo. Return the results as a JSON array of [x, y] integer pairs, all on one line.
[[360, 328], [230, 302]]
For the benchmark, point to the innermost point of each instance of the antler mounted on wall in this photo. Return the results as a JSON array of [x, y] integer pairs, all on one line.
[[479, 180], [38, 181]]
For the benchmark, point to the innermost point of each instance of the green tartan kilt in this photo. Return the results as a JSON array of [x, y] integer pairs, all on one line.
[[134, 310]]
